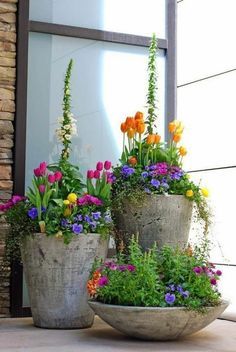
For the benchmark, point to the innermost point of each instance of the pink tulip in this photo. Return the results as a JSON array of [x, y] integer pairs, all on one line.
[[107, 165], [96, 174], [42, 168], [37, 172], [90, 174], [58, 175], [99, 166], [51, 178], [42, 188]]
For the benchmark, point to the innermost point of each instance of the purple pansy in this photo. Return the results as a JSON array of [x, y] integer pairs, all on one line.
[[96, 215], [33, 213], [155, 183], [77, 228], [170, 298]]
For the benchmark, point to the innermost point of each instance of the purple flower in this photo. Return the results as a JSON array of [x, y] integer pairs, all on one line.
[[103, 281], [64, 223], [127, 171], [213, 281], [218, 272], [144, 174], [155, 183], [93, 225], [170, 298], [77, 228], [172, 287], [165, 185], [111, 265], [185, 294], [87, 219], [97, 215], [152, 167], [107, 219], [161, 168], [16, 199], [180, 289], [79, 217], [147, 190], [131, 267], [33, 213], [198, 270], [122, 267]]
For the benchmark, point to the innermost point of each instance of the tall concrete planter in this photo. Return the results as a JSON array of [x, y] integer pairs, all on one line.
[[56, 275], [164, 219]]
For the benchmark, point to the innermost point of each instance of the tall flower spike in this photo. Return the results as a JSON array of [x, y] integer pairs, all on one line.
[[152, 86]]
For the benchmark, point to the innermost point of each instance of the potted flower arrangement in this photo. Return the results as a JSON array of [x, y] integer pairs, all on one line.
[[61, 226], [152, 195], [157, 295]]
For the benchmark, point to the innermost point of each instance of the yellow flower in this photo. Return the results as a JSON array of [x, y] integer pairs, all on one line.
[[66, 202], [189, 193], [59, 234], [72, 197], [67, 212], [182, 151], [205, 192]]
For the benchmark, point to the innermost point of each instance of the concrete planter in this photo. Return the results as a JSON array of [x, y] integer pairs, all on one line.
[[164, 219], [56, 276], [161, 324]]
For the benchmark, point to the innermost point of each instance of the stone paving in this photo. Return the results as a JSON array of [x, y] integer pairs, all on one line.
[[19, 335]]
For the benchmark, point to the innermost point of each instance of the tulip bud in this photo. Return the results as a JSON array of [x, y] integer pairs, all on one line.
[[140, 126], [132, 161], [182, 151], [123, 127], [42, 188], [176, 138], [130, 122], [99, 166], [90, 174], [107, 165], [58, 175], [157, 138], [138, 115], [37, 172], [172, 127], [51, 178], [130, 132], [150, 139], [96, 174]]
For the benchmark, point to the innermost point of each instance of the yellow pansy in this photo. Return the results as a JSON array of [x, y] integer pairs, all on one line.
[[59, 234], [189, 193], [72, 197], [205, 192], [66, 202]]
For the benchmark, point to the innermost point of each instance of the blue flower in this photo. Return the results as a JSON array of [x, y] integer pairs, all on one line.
[[93, 225], [170, 298], [77, 228], [155, 183], [79, 217], [164, 185], [185, 294], [144, 174], [172, 287], [127, 171], [33, 213], [180, 289], [147, 190], [107, 219], [97, 215], [87, 219], [64, 223]]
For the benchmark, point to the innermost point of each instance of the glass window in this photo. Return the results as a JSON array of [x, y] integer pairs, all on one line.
[[109, 82], [133, 17], [206, 36], [208, 111]]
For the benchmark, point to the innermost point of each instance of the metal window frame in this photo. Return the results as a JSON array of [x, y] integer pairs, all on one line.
[[24, 27]]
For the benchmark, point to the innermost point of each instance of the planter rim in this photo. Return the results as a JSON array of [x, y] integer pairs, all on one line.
[[76, 236], [139, 308]]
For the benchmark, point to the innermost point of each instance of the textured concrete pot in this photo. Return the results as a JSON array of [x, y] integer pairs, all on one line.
[[164, 219], [149, 323], [56, 275]]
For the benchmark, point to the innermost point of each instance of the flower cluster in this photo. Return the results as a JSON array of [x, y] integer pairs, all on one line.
[[11, 203], [163, 278]]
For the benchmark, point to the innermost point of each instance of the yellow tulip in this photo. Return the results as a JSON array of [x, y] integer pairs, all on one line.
[[189, 193], [205, 192], [72, 197], [182, 151]]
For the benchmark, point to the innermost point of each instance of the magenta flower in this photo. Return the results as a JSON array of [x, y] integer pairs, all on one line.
[[131, 267], [103, 281], [107, 165], [37, 172], [96, 174], [213, 281], [42, 188], [58, 175], [90, 174], [198, 270], [99, 166], [218, 272], [43, 168], [89, 200], [51, 178], [16, 199]]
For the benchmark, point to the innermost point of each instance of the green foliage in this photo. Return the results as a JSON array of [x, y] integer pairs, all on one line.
[[146, 279]]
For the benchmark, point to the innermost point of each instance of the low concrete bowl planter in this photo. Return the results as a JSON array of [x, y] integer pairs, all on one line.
[[161, 324], [56, 276], [164, 219]]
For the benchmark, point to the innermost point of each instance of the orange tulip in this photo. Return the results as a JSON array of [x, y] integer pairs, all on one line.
[[150, 139], [96, 275], [130, 122], [131, 133], [182, 151], [140, 126], [176, 137], [138, 116], [123, 127], [132, 161], [172, 127], [157, 138]]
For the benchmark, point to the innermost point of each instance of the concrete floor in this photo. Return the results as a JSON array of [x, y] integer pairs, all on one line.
[[20, 335]]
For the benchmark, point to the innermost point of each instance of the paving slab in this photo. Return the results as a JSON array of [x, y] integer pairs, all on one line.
[[19, 335]]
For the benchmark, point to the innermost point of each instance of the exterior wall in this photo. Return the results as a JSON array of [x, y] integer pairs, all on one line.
[[8, 10]]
